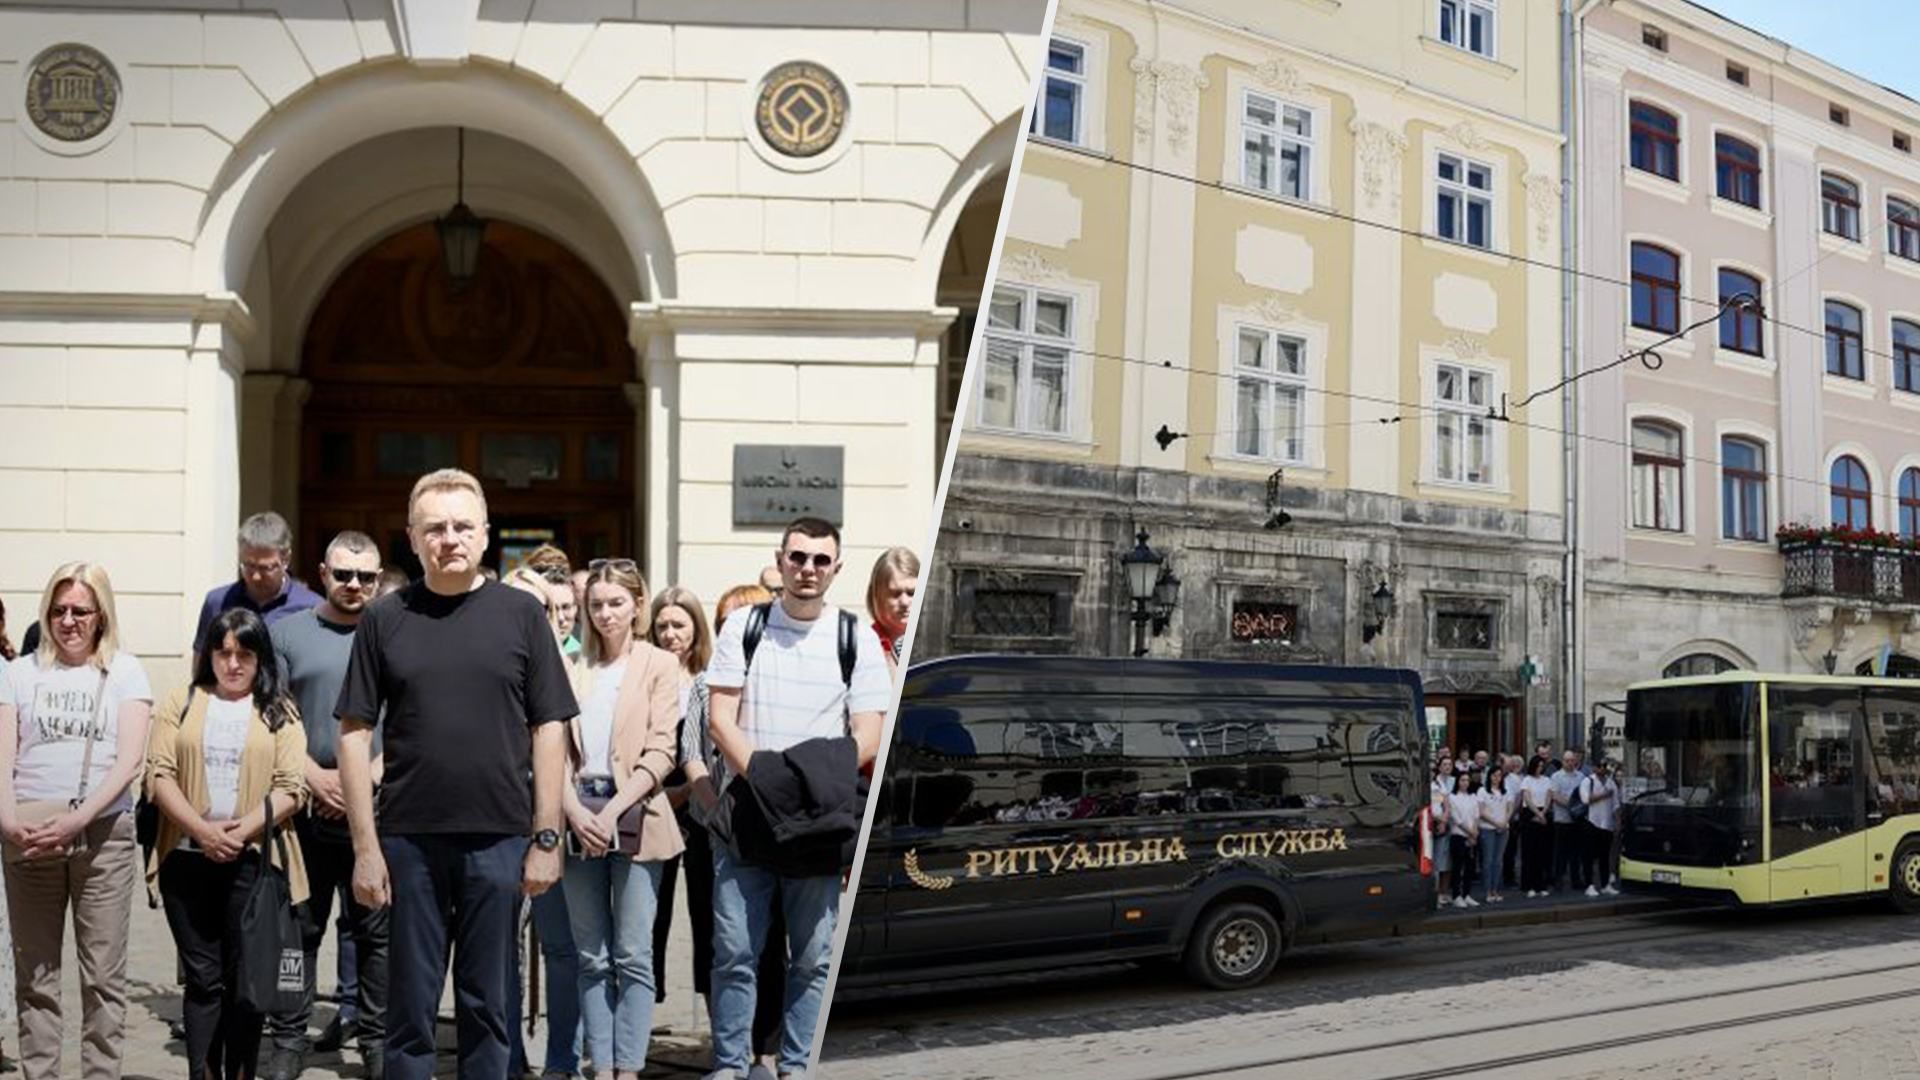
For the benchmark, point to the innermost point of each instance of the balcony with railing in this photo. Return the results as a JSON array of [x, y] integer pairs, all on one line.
[[1885, 573]]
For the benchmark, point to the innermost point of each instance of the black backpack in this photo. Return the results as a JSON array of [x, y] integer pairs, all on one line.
[[849, 638]]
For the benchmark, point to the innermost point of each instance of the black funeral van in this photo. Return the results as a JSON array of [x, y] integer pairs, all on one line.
[[1045, 811]]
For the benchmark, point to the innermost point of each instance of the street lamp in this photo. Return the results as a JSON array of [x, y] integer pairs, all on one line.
[[461, 230], [1154, 589], [1382, 601]]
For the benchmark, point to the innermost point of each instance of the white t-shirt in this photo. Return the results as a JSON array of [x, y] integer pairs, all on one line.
[[224, 742], [1601, 812], [1463, 814], [1536, 792], [794, 691], [57, 709], [1496, 809], [596, 719]]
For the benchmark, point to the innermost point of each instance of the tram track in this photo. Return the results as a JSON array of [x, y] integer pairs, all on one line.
[[1327, 1062]]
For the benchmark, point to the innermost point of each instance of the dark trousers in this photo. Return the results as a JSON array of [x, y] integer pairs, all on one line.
[[1599, 854], [203, 902], [697, 864], [1508, 880], [328, 851], [1536, 837], [1462, 863], [1570, 853], [459, 891]]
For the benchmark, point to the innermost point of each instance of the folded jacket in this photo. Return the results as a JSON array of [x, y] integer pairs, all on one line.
[[798, 811]]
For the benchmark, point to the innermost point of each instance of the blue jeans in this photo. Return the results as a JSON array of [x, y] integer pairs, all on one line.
[[743, 898], [562, 964], [1492, 844], [611, 901]]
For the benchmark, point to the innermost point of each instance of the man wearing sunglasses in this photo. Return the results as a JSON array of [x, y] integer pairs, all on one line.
[[313, 647], [814, 677]]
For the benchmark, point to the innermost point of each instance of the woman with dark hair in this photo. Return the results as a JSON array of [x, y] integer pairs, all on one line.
[[1536, 829], [226, 750]]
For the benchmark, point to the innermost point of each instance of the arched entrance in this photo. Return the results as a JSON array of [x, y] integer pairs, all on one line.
[[522, 377], [963, 274]]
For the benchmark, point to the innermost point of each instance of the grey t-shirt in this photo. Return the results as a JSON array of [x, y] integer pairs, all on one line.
[[313, 657]]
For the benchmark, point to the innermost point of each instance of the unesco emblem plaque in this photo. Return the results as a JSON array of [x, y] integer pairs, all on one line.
[[772, 485], [802, 108], [72, 91]]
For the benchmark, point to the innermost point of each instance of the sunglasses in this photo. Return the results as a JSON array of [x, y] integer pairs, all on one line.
[[615, 564], [80, 614], [799, 559], [348, 577]]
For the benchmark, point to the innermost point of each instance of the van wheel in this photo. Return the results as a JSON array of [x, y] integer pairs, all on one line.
[[1904, 888], [1234, 946]]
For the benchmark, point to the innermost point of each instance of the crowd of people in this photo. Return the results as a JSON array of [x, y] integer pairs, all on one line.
[[1538, 824], [560, 745]]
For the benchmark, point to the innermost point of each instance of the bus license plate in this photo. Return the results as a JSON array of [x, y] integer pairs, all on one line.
[[1666, 877]]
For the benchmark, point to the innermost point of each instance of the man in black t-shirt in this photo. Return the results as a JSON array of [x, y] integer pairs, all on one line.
[[475, 695]]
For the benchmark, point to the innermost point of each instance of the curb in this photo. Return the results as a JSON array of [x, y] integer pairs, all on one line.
[[1452, 923]]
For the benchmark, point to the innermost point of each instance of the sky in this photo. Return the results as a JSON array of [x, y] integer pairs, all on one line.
[[1871, 38]]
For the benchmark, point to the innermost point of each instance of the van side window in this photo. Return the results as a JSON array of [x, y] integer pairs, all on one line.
[[1893, 746], [988, 762]]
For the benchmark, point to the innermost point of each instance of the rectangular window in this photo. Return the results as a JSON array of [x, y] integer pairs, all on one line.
[[1813, 766], [1024, 384], [1736, 170], [1903, 142], [1463, 433], [1656, 288], [1463, 631], [1463, 211], [1736, 73], [1743, 489], [1653, 37], [1844, 341], [1063, 93], [1278, 147], [1653, 140], [1270, 386], [1468, 24], [1903, 229], [1659, 472], [1906, 356], [1839, 115]]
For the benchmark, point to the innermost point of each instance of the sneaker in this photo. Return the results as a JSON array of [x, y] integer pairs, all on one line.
[[1446, 901], [282, 1064], [1611, 891], [760, 1071], [1591, 891]]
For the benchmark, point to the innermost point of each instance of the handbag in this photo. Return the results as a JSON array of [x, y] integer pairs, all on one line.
[[271, 975], [628, 827], [41, 811]]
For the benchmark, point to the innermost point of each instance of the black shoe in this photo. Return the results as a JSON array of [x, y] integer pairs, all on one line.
[[177, 1030], [333, 1038], [282, 1064]]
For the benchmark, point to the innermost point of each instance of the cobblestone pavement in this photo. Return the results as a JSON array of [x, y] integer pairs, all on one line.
[[1474, 1002], [679, 1047]]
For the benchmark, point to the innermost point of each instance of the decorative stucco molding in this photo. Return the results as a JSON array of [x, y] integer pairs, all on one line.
[[1272, 308], [1030, 266], [1280, 76], [1543, 197], [1466, 346], [1177, 88], [1380, 149], [1465, 135]]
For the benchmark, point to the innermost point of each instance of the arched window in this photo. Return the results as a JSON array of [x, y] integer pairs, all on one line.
[[1845, 345], [1736, 169], [1910, 504], [1906, 356], [1840, 206], [1654, 144], [1656, 288], [1743, 489], [1852, 493], [1659, 471], [1903, 228], [1740, 327], [1700, 663]]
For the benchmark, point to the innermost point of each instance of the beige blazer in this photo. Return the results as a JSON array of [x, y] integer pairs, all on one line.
[[646, 721], [272, 761]]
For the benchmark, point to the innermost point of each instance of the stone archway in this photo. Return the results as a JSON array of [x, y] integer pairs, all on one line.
[[522, 377]]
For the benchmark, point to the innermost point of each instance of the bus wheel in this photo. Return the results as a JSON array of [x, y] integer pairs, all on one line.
[[1905, 886], [1235, 945]]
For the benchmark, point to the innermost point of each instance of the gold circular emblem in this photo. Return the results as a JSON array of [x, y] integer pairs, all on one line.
[[72, 92], [802, 108]]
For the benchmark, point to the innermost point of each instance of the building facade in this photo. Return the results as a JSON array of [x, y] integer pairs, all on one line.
[[709, 228], [1270, 271], [1714, 162]]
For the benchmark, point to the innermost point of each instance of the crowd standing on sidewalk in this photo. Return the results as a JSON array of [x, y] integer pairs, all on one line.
[[603, 742], [1541, 825]]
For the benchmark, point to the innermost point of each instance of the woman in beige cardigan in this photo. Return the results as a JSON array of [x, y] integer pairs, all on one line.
[[622, 826], [224, 750]]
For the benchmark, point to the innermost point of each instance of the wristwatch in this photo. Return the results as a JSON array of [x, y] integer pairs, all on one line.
[[546, 839]]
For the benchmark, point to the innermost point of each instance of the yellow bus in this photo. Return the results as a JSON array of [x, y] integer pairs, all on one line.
[[1757, 789]]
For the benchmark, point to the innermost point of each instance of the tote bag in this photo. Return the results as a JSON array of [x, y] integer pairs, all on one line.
[[272, 975]]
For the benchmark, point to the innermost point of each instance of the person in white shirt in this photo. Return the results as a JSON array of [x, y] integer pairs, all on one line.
[[1437, 795], [1496, 813], [1602, 796], [1463, 832], [1536, 829]]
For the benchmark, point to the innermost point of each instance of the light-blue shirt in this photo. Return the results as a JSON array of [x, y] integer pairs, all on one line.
[[1565, 783]]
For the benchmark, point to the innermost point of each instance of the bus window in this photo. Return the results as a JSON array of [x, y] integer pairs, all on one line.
[[1810, 767], [1893, 738], [1691, 784]]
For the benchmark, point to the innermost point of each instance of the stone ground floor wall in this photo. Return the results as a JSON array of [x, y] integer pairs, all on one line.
[[1028, 562]]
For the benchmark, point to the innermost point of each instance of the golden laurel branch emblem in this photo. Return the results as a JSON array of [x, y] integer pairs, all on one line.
[[920, 877]]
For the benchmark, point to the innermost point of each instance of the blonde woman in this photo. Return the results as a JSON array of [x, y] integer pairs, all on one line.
[[679, 625], [76, 710], [622, 825], [890, 591]]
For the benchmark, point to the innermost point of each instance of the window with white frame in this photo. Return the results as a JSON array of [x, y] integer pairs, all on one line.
[[1063, 93], [1463, 201], [1839, 206], [1270, 388], [1743, 488], [1024, 384], [1468, 24], [1278, 147], [1462, 431], [1659, 476]]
